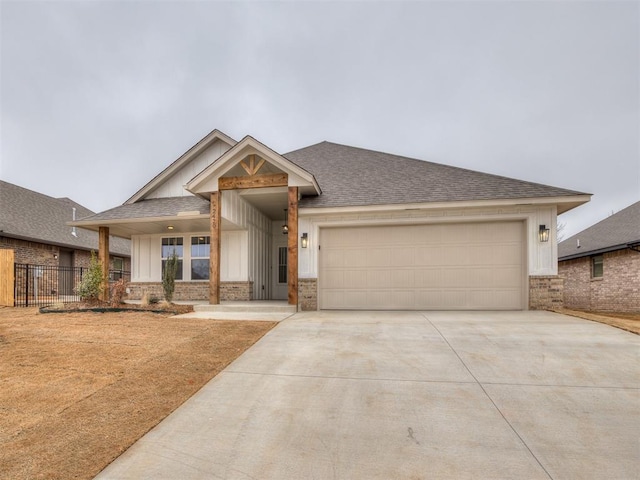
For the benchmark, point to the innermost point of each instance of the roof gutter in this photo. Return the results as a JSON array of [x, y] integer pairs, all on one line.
[[635, 246], [483, 203]]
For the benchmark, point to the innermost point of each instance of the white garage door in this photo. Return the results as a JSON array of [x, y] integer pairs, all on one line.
[[471, 266]]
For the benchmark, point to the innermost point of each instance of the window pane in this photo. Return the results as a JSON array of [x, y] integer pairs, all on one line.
[[178, 273], [200, 269], [200, 246], [171, 245], [597, 269]]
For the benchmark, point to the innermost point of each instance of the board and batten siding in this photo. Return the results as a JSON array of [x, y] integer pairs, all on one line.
[[258, 230], [244, 248], [174, 185]]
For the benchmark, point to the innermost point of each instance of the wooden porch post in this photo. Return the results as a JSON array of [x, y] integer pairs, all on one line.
[[292, 244], [103, 257], [214, 253]]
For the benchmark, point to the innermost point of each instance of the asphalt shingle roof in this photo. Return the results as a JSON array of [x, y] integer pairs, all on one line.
[[612, 233], [350, 176], [154, 207], [37, 217]]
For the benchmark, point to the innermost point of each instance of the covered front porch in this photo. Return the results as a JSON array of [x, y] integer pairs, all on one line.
[[233, 227]]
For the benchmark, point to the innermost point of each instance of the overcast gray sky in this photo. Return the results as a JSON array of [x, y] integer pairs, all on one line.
[[98, 97]]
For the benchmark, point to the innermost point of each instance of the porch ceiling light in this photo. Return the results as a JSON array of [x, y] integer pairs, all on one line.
[[304, 240], [285, 227], [169, 227], [543, 233]]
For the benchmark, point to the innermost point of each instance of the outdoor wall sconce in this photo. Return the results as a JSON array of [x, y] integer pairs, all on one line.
[[543, 233], [55, 256], [304, 240], [285, 227], [170, 227]]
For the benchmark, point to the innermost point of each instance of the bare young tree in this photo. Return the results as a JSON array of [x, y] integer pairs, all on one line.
[[560, 231]]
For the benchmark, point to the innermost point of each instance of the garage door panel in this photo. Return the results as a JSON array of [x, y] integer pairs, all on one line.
[[452, 266], [379, 257], [506, 277], [377, 279], [402, 257], [450, 255], [427, 278], [335, 278], [334, 258], [355, 277], [427, 256], [355, 258], [402, 279]]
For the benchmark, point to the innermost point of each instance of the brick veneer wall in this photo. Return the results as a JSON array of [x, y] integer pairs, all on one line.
[[308, 294], [36, 253], [545, 292], [238, 291], [617, 290], [31, 252]]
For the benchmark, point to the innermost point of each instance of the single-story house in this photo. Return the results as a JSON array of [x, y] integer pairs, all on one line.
[[331, 226], [34, 226], [601, 265]]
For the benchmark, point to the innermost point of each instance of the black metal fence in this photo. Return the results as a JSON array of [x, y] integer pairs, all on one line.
[[40, 285]]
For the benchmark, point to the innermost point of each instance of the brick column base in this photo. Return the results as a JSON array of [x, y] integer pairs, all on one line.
[[308, 294], [546, 292]]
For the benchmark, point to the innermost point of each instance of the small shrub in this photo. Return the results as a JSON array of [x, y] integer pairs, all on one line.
[[169, 277], [91, 285], [148, 299], [118, 292]]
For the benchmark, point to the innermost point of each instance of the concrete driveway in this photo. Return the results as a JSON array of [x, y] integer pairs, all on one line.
[[410, 395]]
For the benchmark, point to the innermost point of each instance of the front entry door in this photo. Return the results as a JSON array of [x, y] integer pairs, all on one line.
[[279, 270]]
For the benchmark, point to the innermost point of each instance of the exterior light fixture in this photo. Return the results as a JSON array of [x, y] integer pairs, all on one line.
[[55, 256], [543, 233], [169, 227], [304, 240], [285, 227]]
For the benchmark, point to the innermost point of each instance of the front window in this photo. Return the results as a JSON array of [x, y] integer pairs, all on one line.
[[597, 266], [200, 249], [170, 246]]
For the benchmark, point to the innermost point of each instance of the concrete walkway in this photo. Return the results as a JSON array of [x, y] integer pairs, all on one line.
[[410, 395]]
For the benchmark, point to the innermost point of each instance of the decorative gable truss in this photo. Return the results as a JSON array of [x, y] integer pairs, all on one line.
[[251, 164]]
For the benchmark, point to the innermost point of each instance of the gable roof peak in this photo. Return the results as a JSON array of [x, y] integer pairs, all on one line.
[[185, 158], [206, 180]]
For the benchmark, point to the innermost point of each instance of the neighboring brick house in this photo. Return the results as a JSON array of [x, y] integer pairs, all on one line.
[[601, 265], [35, 227]]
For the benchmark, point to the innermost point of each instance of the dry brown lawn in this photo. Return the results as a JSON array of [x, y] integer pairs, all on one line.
[[626, 321], [77, 389]]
